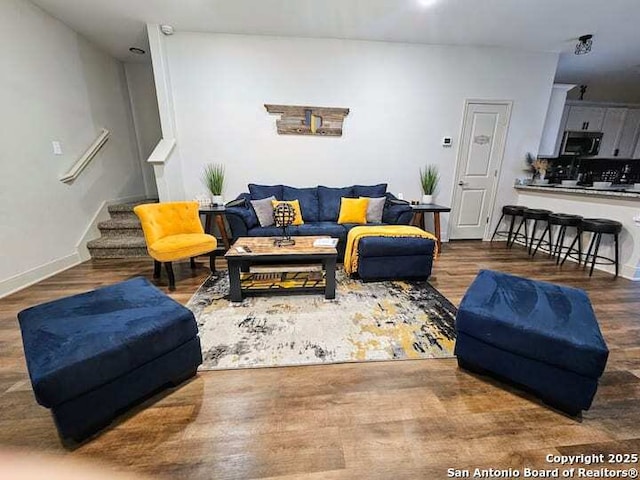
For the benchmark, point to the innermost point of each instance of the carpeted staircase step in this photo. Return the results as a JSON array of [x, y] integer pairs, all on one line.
[[121, 236], [118, 247], [121, 227], [125, 210]]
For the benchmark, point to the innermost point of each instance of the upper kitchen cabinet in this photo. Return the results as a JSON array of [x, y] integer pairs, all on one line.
[[612, 126], [588, 119], [629, 135], [619, 124]]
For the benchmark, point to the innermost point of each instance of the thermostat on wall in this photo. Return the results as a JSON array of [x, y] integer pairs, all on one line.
[[447, 141]]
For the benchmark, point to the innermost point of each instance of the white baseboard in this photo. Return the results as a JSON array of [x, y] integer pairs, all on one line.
[[92, 232], [37, 274], [630, 272], [81, 254]]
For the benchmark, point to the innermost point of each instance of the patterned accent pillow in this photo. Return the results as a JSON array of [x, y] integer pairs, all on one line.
[[375, 208], [264, 211]]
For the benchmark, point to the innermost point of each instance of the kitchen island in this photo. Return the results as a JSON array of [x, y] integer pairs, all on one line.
[[614, 203]]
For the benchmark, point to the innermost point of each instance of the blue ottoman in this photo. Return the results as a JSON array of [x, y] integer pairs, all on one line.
[[91, 356], [542, 336], [395, 258]]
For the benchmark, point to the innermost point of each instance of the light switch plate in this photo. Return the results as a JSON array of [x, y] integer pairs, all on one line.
[[57, 147], [447, 141]]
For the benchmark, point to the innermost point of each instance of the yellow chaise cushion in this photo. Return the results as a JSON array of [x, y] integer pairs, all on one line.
[[353, 210], [173, 230], [298, 220]]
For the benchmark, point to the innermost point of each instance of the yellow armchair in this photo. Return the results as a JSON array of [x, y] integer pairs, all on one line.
[[172, 231]]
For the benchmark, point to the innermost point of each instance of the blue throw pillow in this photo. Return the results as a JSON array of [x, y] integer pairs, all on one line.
[[258, 192], [370, 190], [329, 199], [308, 198]]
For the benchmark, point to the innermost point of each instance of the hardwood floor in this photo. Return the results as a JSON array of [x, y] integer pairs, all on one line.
[[405, 419]]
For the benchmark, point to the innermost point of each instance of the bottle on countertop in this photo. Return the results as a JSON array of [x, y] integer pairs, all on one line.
[[588, 178], [624, 178]]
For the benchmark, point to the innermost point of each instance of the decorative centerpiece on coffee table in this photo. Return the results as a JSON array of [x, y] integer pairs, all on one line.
[[284, 215]]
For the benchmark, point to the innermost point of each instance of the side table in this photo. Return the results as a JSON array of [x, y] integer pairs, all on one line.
[[215, 213], [418, 218]]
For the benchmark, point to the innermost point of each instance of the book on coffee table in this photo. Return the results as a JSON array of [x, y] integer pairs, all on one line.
[[325, 242]]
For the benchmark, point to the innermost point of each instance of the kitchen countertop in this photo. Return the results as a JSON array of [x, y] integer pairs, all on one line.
[[613, 191]]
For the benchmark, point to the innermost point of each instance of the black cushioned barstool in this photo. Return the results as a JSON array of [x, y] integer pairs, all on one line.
[[513, 211], [564, 221], [599, 227], [537, 215]]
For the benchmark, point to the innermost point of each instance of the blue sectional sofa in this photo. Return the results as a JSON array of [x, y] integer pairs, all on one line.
[[320, 209]]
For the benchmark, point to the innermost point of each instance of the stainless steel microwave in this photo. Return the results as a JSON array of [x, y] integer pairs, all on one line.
[[583, 144]]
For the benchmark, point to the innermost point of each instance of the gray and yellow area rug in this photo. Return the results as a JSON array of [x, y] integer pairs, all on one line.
[[366, 322]]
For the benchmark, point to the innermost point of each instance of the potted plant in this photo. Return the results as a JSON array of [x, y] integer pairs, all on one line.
[[538, 168], [213, 179], [541, 165], [429, 179]]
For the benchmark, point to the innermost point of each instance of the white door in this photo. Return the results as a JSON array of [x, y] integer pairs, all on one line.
[[482, 143]]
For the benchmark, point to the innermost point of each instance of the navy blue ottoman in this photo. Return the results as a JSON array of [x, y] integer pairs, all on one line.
[[542, 336], [91, 356], [395, 258]]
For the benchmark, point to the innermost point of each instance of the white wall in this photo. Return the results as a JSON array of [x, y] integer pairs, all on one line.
[[144, 108], [54, 85], [403, 98]]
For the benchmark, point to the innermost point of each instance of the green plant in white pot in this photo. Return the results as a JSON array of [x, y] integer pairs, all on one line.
[[213, 179], [429, 178]]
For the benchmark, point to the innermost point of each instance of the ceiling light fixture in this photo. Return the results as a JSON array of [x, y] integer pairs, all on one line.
[[426, 3], [584, 45], [137, 51]]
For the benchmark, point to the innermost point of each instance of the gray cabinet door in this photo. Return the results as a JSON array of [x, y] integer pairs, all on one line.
[[612, 126], [587, 119], [629, 135]]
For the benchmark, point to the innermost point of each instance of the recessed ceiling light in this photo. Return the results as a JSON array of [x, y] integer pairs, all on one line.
[[137, 51], [427, 3]]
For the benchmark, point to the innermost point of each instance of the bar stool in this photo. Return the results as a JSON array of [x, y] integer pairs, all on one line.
[[599, 227], [537, 215], [513, 211], [564, 221]]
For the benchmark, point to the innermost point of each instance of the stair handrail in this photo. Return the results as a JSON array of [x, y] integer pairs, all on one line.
[[84, 160], [162, 151]]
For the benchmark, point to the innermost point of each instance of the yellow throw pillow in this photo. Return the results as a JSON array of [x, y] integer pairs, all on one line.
[[353, 210], [296, 207]]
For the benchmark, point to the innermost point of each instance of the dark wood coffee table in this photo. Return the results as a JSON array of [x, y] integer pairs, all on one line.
[[264, 252]]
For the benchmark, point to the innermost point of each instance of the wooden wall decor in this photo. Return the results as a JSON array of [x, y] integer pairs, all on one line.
[[302, 120]]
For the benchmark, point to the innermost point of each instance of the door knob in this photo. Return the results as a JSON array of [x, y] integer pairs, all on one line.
[[461, 183]]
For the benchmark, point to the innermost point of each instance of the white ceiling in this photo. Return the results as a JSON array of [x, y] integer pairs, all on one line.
[[537, 25]]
